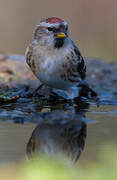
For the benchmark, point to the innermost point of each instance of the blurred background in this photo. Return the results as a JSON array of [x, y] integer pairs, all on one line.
[[93, 27], [92, 24]]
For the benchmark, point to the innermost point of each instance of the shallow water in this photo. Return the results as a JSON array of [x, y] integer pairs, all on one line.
[[18, 120]]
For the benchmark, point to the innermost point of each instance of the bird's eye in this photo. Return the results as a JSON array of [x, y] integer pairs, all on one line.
[[50, 29]]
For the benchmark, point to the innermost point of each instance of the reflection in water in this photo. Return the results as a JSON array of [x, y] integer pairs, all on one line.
[[61, 132], [68, 138], [61, 126], [27, 113]]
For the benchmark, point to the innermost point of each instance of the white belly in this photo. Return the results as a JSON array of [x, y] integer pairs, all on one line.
[[62, 88], [53, 81]]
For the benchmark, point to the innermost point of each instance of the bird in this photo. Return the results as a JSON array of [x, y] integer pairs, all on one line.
[[67, 139], [54, 58]]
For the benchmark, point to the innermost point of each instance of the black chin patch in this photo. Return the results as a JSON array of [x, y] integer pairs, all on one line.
[[59, 42]]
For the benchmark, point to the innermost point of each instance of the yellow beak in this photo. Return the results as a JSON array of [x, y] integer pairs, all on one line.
[[61, 35]]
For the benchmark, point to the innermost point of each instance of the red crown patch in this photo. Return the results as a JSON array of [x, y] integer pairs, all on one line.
[[54, 20]]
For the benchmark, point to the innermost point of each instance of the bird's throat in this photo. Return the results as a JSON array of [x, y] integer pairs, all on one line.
[[59, 42]]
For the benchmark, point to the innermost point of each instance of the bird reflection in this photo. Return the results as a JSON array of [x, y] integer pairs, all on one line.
[[61, 132]]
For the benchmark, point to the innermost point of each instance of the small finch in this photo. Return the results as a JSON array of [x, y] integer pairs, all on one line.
[[54, 58]]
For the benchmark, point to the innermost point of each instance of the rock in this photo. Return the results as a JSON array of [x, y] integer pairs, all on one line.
[[15, 72]]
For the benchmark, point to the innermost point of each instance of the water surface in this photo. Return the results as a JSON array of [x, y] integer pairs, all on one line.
[[18, 120]]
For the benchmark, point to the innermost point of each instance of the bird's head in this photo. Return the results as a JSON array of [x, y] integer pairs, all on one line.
[[51, 32]]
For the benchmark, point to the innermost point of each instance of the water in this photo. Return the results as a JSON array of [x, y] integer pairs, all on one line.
[[18, 120]]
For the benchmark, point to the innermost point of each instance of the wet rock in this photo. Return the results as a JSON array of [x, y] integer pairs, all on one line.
[[101, 74]]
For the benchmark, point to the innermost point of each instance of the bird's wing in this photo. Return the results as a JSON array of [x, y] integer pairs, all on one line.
[[81, 67], [30, 58], [74, 68], [28, 54]]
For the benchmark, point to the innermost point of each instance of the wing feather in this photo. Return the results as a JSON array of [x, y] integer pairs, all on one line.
[[28, 54], [74, 69], [81, 67], [30, 58]]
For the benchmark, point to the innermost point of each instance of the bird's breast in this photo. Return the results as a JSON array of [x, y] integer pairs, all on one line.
[[51, 69]]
